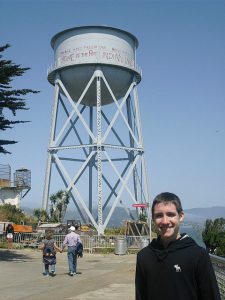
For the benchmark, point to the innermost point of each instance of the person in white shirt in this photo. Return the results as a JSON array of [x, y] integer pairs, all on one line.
[[72, 239]]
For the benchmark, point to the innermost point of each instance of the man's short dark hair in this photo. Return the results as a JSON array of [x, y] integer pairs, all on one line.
[[167, 197]]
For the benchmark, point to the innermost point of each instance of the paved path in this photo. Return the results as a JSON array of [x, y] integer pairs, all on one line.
[[101, 277]]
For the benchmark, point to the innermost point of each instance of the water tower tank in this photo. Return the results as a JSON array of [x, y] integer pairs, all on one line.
[[22, 178], [79, 51]]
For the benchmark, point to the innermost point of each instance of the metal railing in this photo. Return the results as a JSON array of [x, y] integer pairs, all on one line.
[[219, 268], [90, 243]]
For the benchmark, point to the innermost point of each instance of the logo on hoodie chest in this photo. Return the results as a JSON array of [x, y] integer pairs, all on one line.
[[177, 268]]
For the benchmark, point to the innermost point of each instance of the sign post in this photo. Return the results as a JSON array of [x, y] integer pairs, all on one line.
[[140, 205]]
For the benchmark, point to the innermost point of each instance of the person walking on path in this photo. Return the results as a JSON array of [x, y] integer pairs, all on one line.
[[72, 240], [49, 248], [173, 266], [9, 235]]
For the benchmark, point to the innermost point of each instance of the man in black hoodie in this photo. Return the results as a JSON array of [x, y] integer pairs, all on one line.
[[173, 266]]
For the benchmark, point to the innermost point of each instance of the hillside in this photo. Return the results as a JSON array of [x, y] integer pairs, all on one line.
[[199, 215], [193, 215]]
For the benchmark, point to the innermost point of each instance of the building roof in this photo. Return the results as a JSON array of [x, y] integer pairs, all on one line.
[[50, 225]]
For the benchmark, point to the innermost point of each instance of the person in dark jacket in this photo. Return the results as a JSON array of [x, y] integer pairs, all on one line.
[[49, 248], [173, 266], [9, 235]]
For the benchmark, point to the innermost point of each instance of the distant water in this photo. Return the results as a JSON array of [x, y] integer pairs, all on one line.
[[193, 234]]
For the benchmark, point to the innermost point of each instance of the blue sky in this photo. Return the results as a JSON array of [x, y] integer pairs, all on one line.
[[182, 92]]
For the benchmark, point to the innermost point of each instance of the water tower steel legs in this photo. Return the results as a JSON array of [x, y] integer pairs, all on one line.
[[97, 151], [51, 142], [99, 154], [91, 164]]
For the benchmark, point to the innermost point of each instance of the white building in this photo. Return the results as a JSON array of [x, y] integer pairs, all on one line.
[[11, 192], [10, 195]]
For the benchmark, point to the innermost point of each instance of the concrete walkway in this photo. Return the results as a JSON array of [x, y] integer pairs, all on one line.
[[100, 277]]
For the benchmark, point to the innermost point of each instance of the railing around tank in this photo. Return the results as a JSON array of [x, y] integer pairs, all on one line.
[[58, 64], [219, 267]]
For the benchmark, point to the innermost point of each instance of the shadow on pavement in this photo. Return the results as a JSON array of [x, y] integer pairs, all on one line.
[[13, 256]]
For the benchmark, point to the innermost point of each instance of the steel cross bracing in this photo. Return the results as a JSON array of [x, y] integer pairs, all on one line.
[[98, 151]]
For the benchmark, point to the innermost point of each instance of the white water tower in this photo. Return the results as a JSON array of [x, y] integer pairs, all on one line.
[[12, 192], [96, 144]]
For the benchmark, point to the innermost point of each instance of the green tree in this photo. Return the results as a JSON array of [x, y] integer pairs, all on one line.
[[10, 99], [214, 236], [40, 214], [220, 251], [142, 215], [10, 213], [59, 203]]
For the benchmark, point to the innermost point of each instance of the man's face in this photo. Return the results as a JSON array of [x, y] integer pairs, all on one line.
[[167, 221]]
